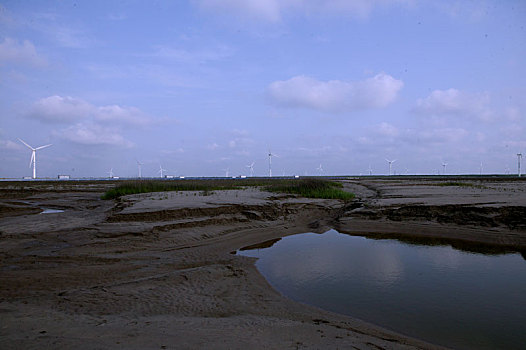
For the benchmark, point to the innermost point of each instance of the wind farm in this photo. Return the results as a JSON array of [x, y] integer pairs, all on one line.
[[319, 170]]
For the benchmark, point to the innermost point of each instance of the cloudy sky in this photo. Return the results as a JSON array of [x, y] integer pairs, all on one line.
[[201, 86]]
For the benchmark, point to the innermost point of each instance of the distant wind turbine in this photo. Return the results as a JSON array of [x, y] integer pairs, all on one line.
[[481, 168], [251, 167], [370, 170], [270, 155], [161, 170], [139, 165], [227, 170], [320, 169], [33, 159], [519, 157], [111, 173], [444, 166], [390, 165]]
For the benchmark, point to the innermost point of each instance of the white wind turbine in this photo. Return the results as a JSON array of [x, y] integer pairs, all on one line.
[[227, 171], [444, 166], [519, 157], [270, 155], [111, 173], [139, 165], [320, 169], [251, 167], [34, 157], [370, 170], [161, 170], [390, 165]]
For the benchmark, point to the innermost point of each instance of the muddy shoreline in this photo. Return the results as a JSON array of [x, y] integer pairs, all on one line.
[[156, 270]]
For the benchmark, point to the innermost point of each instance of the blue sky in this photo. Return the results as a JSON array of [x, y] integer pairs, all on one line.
[[207, 85]]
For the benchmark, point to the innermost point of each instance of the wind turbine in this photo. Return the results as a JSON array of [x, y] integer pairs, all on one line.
[[519, 157], [139, 165], [270, 155], [251, 167], [161, 170], [33, 159], [481, 168], [226, 171], [444, 166], [390, 164], [370, 170], [320, 169], [111, 173]]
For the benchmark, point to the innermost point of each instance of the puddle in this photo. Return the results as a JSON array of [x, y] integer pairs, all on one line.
[[51, 211], [440, 294]]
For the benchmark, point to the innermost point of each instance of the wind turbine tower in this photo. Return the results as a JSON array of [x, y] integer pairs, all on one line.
[[390, 165], [251, 167], [139, 165], [320, 169], [34, 157], [270, 155], [519, 157], [444, 166], [161, 170]]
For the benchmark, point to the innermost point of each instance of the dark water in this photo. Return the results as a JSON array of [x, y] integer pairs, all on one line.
[[439, 294]]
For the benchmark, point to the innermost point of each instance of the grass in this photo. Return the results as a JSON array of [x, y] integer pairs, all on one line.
[[460, 184], [310, 188]]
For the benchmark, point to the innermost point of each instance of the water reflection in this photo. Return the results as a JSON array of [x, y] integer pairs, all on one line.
[[51, 211], [434, 292], [457, 244]]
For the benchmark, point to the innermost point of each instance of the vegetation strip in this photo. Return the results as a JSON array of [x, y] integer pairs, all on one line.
[[309, 188]]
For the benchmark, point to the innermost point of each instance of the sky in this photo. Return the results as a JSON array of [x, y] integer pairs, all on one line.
[[200, 87]]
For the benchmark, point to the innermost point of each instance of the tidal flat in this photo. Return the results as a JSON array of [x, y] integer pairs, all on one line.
[[156, 270]]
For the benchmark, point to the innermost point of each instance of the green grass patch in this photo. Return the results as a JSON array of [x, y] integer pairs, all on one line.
[[310, 188]]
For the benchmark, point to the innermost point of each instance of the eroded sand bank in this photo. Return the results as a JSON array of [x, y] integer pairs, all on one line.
[[157, 270]]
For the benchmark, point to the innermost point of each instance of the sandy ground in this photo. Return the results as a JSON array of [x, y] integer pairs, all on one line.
[[154, 271]]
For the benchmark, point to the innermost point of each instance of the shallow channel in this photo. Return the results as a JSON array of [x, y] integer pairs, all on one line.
[[439, 294]]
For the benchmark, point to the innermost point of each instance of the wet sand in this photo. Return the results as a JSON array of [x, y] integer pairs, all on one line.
[[153, 271]]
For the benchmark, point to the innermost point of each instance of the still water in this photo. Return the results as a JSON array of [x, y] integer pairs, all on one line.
[[439, 294]]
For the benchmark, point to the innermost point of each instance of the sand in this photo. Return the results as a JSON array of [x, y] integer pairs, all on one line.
[[154, 271]]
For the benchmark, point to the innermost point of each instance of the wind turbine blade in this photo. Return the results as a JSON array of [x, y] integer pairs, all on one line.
[[36, 149], [32, 159], [387, 160], [393, 161], [25, 143]]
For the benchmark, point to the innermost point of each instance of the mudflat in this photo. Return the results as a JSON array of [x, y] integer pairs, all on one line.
[[159, 270]]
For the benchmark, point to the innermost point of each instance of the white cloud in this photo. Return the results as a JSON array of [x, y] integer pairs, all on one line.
[[60, 109], [118, 114], [274, 10], [92, 134], [68, 109], [336, 95], [212, 146], [13, 51], [10, 145], [455, 102]]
